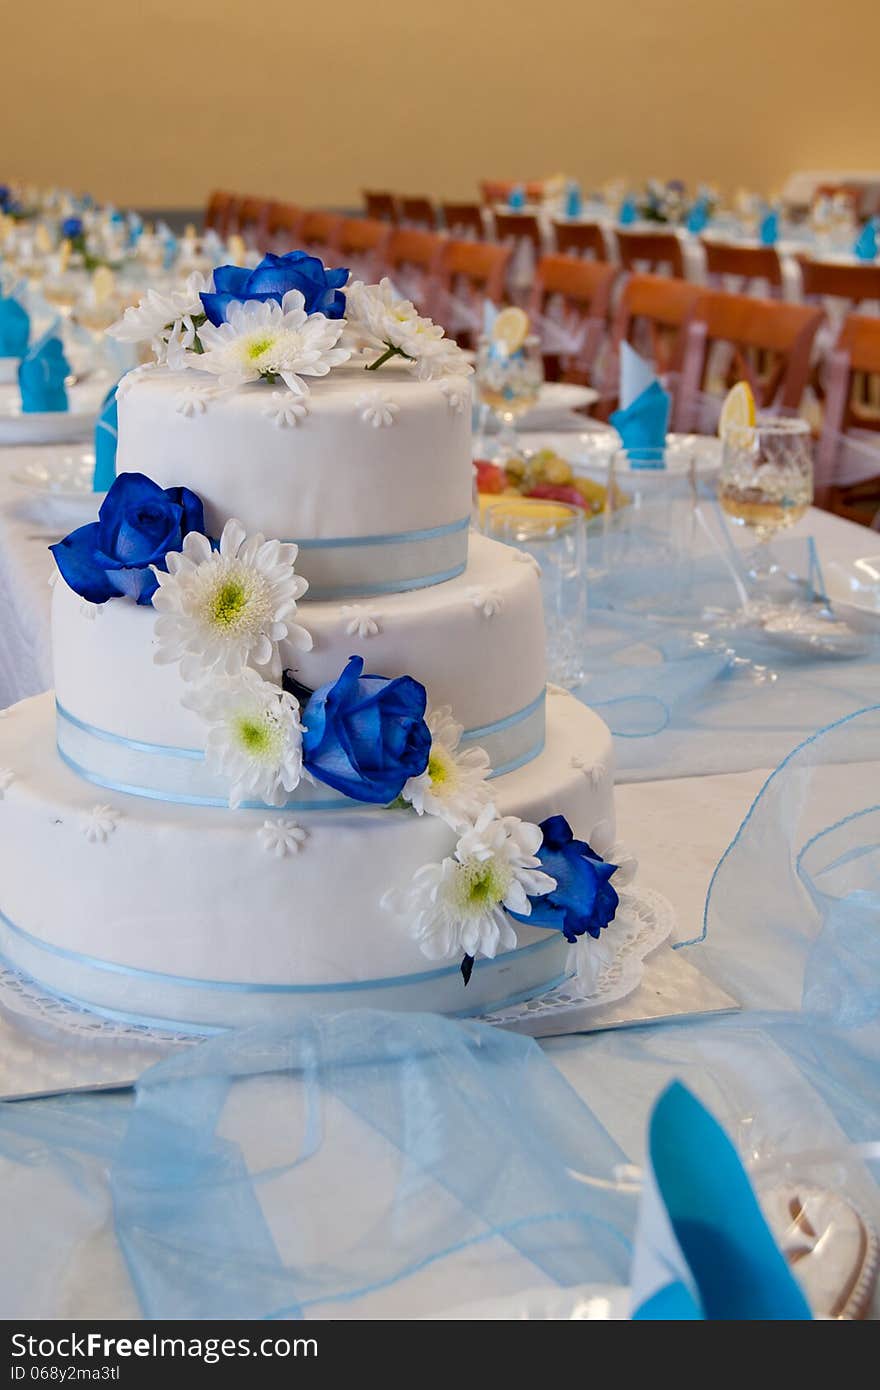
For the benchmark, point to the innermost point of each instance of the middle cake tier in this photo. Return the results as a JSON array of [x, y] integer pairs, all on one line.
[[475, 642]]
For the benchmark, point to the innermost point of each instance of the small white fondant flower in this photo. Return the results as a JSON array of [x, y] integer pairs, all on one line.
[[380, 320], [282, 837], [274, 341], [525, 557], [99, 823], [7, 776], [593, 771], [378, 410], [254, 738], [221, 609], [457, 907], [453, 785], [613, 852], [285, 409], [193, 400], [486, 601], [456, 393], [360, 621]]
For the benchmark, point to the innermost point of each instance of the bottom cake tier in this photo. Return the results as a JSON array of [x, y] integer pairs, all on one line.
[[197, 917]]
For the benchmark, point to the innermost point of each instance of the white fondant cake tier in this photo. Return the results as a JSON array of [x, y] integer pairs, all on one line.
[[373, 506], [179, 914], [476, 643]]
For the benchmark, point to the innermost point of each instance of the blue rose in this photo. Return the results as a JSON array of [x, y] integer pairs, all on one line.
[[583, 899], [72, 228], [5, 197], [138, 524], [365, 735], [272, 278]]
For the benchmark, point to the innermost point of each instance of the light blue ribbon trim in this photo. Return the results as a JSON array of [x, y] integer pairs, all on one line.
[[387, 586], [484, 730], [166, 749], [394, 538]]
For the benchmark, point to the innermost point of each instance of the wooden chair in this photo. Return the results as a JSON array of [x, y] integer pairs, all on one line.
[[463, 219], [469, 273], [653, 314], [283, 227], [319, 232], [573, 296], [743, 263], [362, 244], [381, 207], [514, 227], [768, 344], [824, 280], [852, 368], [649, 251], [251, 222], [218, 210], [418, 212], [413, 260], [499, 190], [581, 239]]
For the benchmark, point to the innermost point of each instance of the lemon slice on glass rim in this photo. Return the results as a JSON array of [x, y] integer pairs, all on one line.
[[738, 415], [511, 328]]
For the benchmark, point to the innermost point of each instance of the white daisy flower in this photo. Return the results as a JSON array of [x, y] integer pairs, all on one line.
[[159, 316], [193, 400], [453, 785], [282, 837], [360, 621], [486, 601], [254, 737], [7, 777], [284, 408], [99, 823], [457, 907], [273, 341], [378, 410], [381, 321], [222, 609]]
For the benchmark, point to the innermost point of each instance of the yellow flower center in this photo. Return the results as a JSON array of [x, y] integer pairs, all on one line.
[[257, 346], [482, 883], [229, 602], [255, 737]]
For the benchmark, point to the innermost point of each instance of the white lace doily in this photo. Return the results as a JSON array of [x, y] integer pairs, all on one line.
[[47, 1044]]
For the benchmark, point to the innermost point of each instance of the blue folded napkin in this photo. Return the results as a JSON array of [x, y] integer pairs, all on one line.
[[516, 198], [698, 217], [703, 1249], [768, 231], [866, 243], [41, 377], [643, 417], [106, 433], [15, 328], [573, 200], [628, 212]]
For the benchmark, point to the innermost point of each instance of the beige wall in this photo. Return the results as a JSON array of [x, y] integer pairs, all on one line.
[[154, 102]]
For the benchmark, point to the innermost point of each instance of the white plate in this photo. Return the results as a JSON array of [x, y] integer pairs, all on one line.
[[853, 586], [590, 451], [56, 426], [554, 399], [61, 470]]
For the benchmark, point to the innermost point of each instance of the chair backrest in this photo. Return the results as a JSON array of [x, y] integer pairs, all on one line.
[[381, 207], [742, 262], [824, 280], [251, 218], [418, 212], [469, 272], [769, 344], [853, 368], [581, 238], [284, 226], [650, 250], [572, 292], [499, 190], [217, 211], [463, 218], [413, 260], [519, 226], [319, 230], [658, 309], [363, 242]]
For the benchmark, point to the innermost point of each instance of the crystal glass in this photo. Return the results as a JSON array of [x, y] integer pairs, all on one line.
[[554, 535], [766, 478], [508, 384]]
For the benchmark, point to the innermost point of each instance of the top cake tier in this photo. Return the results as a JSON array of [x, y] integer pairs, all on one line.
[[373, 481]]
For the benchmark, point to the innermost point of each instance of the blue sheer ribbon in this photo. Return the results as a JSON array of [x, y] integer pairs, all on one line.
[[363, 566]]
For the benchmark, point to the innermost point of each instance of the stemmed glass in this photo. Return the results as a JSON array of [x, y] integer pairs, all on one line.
[[766, 478], [509, 383]]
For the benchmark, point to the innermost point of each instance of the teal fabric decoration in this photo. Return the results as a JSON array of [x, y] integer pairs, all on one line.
[[866, 243], [15, 328], [41, 378], [106, 435]]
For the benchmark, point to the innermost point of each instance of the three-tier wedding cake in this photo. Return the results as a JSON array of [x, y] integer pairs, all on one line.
[[310, 771]]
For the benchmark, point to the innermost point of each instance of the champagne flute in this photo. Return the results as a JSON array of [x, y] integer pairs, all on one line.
[[509, 383]]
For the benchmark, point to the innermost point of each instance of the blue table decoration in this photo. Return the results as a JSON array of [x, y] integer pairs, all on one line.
[[106, 437], [42, 375], [865, 247], [15, 327], [573, 199], [768, 232], [642, 419]]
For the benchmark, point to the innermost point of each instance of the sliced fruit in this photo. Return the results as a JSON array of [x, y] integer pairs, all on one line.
[[738, 411], [511, 328], [490, 478]]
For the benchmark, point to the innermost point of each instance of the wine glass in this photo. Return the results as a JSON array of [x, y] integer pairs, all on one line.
[[509, 383], [766, 477]]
